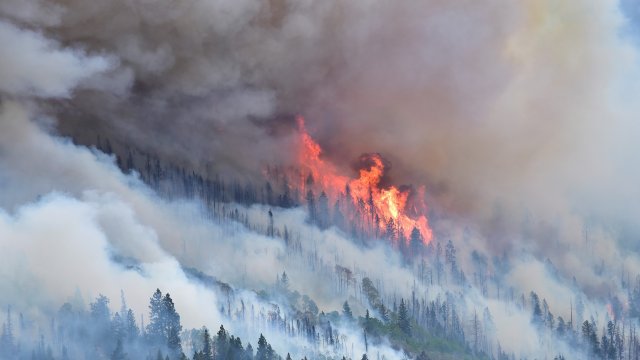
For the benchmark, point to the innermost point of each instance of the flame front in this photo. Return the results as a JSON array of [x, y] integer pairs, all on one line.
[[385, 206]]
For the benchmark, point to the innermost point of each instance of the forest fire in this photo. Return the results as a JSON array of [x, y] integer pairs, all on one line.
[[386, 208]]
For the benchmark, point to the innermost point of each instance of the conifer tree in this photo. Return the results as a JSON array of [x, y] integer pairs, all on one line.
[[173, 327], [156, 317], [403, 318], [416, 243], [222, 343], [536, 310], [131, 330], [346, 310], [284, 281], [262, 353], [311, 206], [207, 352], [323, 210], [118, 353]]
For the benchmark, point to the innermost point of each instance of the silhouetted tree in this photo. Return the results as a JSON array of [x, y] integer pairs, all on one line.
[[346, 310], [403, 318]]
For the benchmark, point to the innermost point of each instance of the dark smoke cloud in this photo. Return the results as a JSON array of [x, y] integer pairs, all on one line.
[[195, 77], [515, 115]]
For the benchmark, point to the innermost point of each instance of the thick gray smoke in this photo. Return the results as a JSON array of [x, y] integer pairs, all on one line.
[[516, 109]]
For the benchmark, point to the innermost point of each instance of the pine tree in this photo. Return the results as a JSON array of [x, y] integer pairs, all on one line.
[[284, 281], [590, 337], [262, 353], [403, 319], [100, 312], [155, 328], [416, 242], [450, 256], [311, 206], [384, 313], [173, 327], [118, 353], [372, 293], [173, 340], [270, 229], [346, 310], [131, 330], [561, 327], [207, 352], [117, 326], [323, 211], [537, 311], [271, 354], [164, 322], [222, 343]]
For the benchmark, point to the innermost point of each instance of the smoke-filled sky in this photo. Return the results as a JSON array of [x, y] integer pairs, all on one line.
[[509, 112], [526, 104]]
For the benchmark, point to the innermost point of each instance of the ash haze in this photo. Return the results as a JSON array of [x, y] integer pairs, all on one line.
[[152, 145]]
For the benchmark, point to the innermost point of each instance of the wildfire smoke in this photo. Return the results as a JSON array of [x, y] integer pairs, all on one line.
[[387, 208]]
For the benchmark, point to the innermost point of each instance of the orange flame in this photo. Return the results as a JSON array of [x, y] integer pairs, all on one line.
[[388, 203]]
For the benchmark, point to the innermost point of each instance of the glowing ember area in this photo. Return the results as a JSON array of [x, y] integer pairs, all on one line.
[[383, 208]]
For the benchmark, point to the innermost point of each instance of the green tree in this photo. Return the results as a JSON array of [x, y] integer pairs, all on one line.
[[536, 310], [561, 327], [372, 293], [416, 242], [262, 353], [403, 318], [450, 256], [346, 310], [590, 337], [248, 352], [284, 281], [164, 322], [131, 330], [156, 317], [207, 352], [173, 327], [100, 312], [222, 343], [118, 353]]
